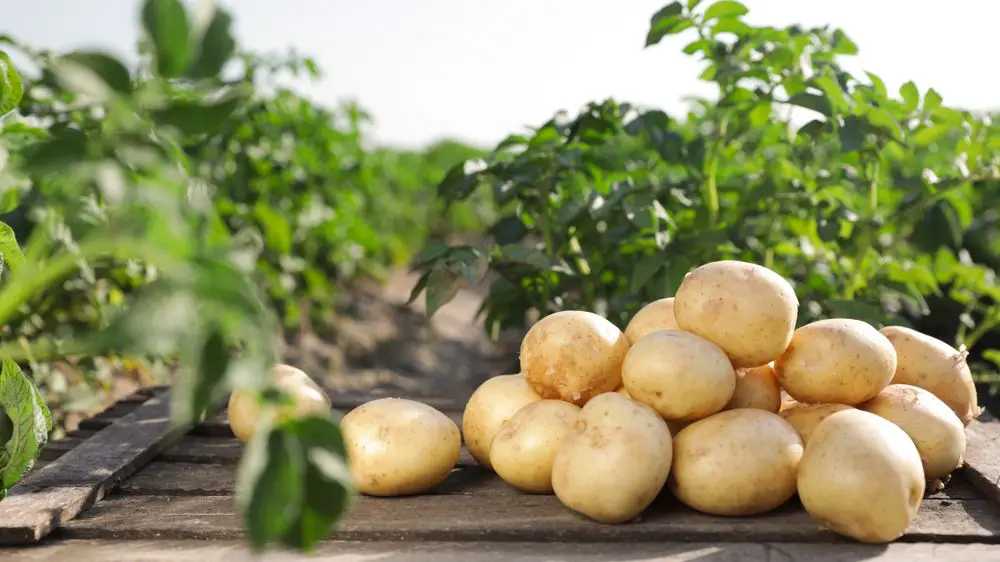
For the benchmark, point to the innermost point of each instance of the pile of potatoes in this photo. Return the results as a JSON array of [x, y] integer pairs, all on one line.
[[712, 396]]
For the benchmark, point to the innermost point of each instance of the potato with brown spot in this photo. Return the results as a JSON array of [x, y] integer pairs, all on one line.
[[746, 309], [524, 450], [614, 462], [573, 355], [805, 418], [399, 447], [933, 365], [489, 408], [736, 462], [307, 398], [836, 361], [756, 387], [657, 315]]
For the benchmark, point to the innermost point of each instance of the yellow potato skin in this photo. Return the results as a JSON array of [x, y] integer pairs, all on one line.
[[489, 408], [657, 315], [933, 365], [805, 418], [736, 462], [756, 387], [524, 450], [399, 447], [573, 355], [308, 398]]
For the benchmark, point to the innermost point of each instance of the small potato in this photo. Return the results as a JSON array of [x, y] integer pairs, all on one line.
[[736, 462], [836, 361], [657, 315], [744, 308], [756, 387], [615, 461], [934, 365], [805, 418], [398, 447], [525, 448], [682, 376], [489, 407], [307, 396], [934, 427], [861, 477], [787, 402], [573, 355]]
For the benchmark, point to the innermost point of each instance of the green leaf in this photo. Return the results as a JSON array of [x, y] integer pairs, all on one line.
[[11, 89], [217, 47], [203, 386], [880, 118], [910, 95], [10, 250], [815, 102], [928, 134], [852, 134], [269, 492], [692, 4], [166, 23], [458, 185], [842, 44], [442, 286], [730, 25], [644, 270], [196, 118], [877, 84], [106, 67], [666, 21], [508, 230], [725, 9], [30, 423], [834, 93], [276, 228], [813, 128], [932, 100]]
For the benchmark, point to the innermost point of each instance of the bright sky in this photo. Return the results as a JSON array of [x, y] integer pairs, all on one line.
[[478, 70]]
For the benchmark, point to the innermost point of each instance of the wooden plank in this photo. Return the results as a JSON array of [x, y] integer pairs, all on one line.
[[63, 488], [55, 449], [338, 551], [518, 518], [218, 425], [982, 457]]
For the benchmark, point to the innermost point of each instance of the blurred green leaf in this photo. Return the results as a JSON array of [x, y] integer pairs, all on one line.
[[167, 26], [268, 489], [910, 95], [725, 9], [666, 21], [216, 49], [10, 85], [644, 271], [817, 103], [106, 67], [442, 286], [196, 118], [10, 250]]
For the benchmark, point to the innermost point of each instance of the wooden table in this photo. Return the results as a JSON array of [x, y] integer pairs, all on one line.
[[123, 487]]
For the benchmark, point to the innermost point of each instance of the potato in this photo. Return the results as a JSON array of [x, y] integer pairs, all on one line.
[[934, 427], [308, 398], [861, 477], [623, 391], [934, 365], [615, 461], [736, 462], [836, 361], [489, 407], [657, 315], [573, 355], [746, 309], [806, 417], [787, 402], [682, 376], [398, 447], [523, 451], [756, 387]]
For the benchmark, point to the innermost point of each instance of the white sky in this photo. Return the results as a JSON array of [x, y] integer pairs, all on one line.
[[478, 70]]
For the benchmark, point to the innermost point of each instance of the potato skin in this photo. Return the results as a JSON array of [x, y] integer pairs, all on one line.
[[861, 477], [805, 418], [933, 365], [836, 361], [573, 355], [657, 315], [244, 411], [489, 407], [525, 448], [398, 447], [615, 461], [756, 387], [736, 462], [682, 376], [933, 426], [746, 309]]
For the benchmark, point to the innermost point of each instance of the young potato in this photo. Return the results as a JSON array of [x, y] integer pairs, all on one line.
[[489, 407], [525, 448], [861, 477], [806, 417], [307, 397], [682, 376], [836, 361], [573, 355], [736, 462], [744, 308], [657, 315], [756, 387], [614, 462], [934, 427], [935, 366], [399, 447]]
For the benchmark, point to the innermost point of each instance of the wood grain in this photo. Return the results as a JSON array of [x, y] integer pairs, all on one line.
[[982, 457]]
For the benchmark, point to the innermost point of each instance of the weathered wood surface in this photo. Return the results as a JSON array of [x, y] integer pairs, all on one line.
[[234, 551], [63, 488], [982, 457]]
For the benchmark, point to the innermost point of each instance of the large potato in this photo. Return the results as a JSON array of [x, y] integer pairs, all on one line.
[[756, 387], [682, 376], [934, 427], [861, 477], [805, 418], [525, 448], [489, 407], [307, 398], [398, 447], [573, 355], [934, 365], [614, 462], [746, 309], [836, 361], [657, 315], [736, 462]]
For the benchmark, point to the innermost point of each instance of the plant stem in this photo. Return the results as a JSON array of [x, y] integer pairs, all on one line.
[[981, 330], [711, 170]]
